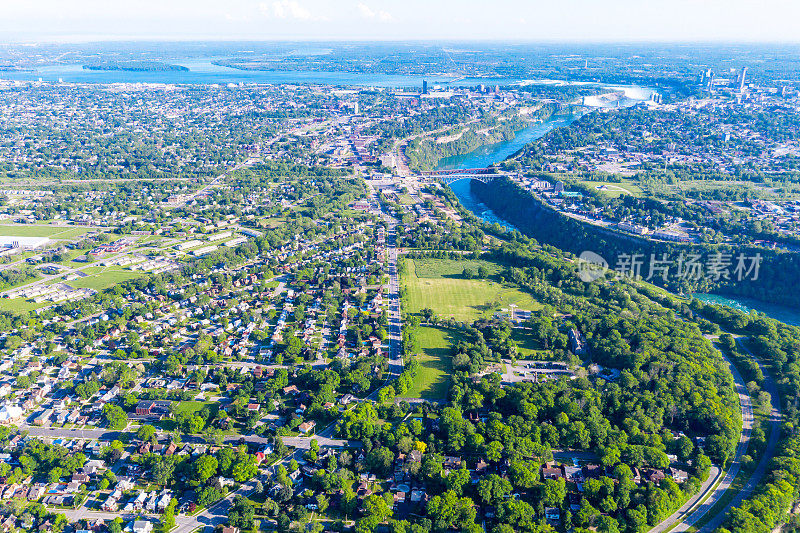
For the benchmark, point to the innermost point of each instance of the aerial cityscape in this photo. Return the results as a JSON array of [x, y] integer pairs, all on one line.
[[253, 280]]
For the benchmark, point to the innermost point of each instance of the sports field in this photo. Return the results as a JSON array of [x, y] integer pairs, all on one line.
[[436, 285]]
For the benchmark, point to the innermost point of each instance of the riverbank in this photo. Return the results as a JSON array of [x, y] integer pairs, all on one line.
[[787, 315], [428, 153], [482, 207]]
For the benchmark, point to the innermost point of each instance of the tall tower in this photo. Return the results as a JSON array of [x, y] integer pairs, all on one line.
[[424, 86], [741, 81]]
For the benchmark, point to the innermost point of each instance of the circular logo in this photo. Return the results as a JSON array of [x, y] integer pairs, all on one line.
[[591, 266]]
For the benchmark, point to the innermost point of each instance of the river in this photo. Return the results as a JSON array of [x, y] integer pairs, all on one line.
[[204, 71], [786, 315], [494, 153], [497, 152]]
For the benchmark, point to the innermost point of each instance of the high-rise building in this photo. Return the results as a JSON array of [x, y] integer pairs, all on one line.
[[424, 86], [741, 80]]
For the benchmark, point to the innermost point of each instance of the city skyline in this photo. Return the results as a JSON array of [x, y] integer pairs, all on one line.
[[571, 21]]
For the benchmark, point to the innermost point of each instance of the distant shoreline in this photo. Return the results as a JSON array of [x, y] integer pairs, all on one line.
[[137, 66]]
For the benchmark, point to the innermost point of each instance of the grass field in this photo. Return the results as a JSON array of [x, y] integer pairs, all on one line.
[[405, 199], [69, 256], [615, 189], [188, 407], [528, 346], [54, 232], [436, 286], [20, 306], [191, 407], [102, 279], [432, 381], [450, 268]]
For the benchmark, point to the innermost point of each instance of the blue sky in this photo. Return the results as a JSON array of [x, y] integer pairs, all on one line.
[[531, 20]]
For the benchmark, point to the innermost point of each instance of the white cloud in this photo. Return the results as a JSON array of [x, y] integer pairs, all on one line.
[[285, 9], [369, 13]]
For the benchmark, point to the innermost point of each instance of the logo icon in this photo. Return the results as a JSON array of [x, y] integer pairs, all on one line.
[[591, 266]]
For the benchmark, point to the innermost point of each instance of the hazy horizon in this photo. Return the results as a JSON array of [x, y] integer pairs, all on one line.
[[572, 21]]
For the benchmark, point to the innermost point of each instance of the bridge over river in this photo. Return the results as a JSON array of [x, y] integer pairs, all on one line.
[[449, 176]]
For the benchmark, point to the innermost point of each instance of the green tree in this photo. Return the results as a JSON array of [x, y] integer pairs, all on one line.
[[168, 517], [493, 489], [241, 513], [449, 511], [456, 480], [205, 467], [244, 468], [146, 433], [114, 416], [555, 490], [376, 511], [163, 471]]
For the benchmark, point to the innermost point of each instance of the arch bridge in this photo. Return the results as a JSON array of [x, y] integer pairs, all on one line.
[[448, 177]]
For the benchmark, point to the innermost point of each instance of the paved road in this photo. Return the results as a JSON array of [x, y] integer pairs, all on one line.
[[214, 515], [689, 514], [395, 324], [218, 513], [82, 513], [395, 332], [305, 442], [682, 516], [769, 451]]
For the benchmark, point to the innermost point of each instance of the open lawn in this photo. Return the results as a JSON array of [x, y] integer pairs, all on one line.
[[463, 299], [406, 199], [33, 230], [273, 222], [69, 256], [615, 189], [188, 408], [103, 279], [20, 306], [528, 347], [450, 268], [681, 188], [435, 349]]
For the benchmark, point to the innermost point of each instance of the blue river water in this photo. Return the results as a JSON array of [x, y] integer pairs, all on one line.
[[494, 153], [778, 312], [203, 71]]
